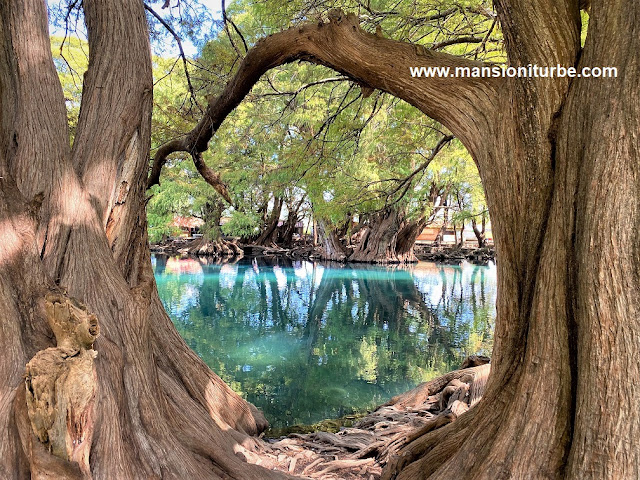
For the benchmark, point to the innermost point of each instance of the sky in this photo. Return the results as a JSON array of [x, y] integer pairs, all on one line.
[[215, 7], [168, 46]]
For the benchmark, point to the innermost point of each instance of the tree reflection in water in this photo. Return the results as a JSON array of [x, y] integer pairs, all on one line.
[[306, 341]]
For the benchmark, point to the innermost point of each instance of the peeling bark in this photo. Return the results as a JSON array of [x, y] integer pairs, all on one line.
[[60, 386]]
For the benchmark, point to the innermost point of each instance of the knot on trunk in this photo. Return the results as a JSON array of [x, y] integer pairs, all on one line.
[[60, 382], [338, 17]]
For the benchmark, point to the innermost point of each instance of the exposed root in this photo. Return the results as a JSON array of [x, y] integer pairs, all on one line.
[[216, 248], [220, 248], [378, 439]]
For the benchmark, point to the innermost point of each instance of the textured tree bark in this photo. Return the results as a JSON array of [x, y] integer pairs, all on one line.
[[285, 235], [407, 237], [61, 390], [378, 242], [556, 276], [270, 230], [388, 238], [76, 219], [331, 245]]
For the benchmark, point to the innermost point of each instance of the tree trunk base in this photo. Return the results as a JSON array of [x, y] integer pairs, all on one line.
[[384, 259], [216, 248]]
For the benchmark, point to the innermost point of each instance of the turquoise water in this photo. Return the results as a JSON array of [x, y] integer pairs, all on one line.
[[306, 341]]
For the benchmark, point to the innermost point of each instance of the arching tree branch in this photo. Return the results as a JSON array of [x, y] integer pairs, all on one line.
[[468, 107], [176, 37], [211, 177]]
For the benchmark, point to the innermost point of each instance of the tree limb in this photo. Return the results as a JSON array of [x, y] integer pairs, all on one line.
[[228, 21], [211, 177], [304, 87], [468, 107], [176, 37], [454, 41]]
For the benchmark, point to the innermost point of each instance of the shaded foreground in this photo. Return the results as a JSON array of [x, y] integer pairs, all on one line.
[[374, 441]]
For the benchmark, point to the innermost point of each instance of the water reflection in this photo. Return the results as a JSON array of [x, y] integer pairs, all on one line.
[[305, 341]]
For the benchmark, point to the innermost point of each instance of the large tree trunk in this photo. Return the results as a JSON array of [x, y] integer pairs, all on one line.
[[407, 237], [378, 241], [560, 164], [564, 209], [211, 243], [270, 229], [332, 248], [77, 220], [286, 232], [388, 238]]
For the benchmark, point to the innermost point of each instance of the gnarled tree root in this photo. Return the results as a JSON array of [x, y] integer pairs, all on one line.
[[216, 248], [389, 438]]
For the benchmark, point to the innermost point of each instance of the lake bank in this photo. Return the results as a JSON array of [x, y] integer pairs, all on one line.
[[423, 252], [361, 448]]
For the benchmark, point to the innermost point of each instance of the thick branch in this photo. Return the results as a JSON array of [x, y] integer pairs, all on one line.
[[466, 106], [211, 177], [113, 125]]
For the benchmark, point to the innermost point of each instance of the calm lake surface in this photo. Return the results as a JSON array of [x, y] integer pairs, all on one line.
[[306, 341]]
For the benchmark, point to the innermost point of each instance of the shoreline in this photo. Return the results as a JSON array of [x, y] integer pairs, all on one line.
[[448, 254], [361, 445]]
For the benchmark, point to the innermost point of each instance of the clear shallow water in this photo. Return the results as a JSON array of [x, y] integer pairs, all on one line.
[[306, 341]]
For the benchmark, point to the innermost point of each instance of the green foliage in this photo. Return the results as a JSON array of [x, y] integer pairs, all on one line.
[[303, 127], [584, 18], [242, 224], [71, 58], [160, 226], [305, 133]]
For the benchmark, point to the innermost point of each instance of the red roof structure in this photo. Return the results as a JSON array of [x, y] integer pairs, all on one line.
[[187, 222]]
